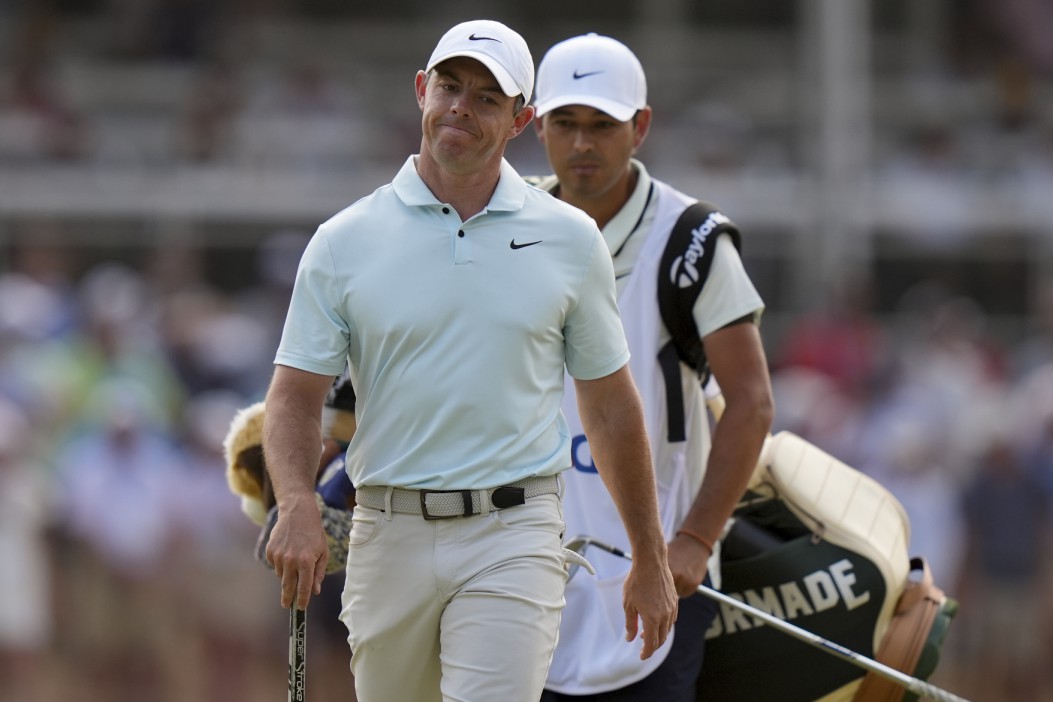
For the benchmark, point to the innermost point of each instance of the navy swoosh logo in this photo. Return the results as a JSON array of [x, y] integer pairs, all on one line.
[[475, 38], [579, 76], [513, 245]]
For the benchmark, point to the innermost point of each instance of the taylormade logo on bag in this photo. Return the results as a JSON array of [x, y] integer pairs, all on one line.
[[683, 273], [816, 592]]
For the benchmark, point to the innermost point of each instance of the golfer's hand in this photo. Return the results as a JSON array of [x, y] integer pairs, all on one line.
[[298, 551], [688, 561], [649, 595]]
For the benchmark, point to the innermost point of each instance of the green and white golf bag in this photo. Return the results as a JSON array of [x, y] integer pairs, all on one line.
[[822, 545]]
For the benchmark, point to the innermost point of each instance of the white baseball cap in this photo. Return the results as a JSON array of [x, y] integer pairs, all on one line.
[[494, 45], [591, 70]]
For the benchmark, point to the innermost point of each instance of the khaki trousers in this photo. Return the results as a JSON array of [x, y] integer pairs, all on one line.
[[454, 610]]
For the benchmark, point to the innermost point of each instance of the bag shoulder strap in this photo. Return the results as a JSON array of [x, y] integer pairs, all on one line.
[[684, 268]]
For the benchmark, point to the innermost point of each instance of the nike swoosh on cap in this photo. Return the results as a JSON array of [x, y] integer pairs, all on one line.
[[513, 245], [475, 38], [579, 76]]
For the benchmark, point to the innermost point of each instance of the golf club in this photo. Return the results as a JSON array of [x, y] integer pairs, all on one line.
[[297, 654], [578, 544]]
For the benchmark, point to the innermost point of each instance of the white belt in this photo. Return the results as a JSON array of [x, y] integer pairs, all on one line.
[[448, 504]]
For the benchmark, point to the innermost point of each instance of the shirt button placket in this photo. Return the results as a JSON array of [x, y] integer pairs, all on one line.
[[462, 248]]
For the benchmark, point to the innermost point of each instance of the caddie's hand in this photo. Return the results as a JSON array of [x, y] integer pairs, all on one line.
[[688, 561], [650, 596], [298, 551]]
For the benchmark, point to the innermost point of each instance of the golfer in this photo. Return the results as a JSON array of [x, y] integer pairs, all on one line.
[[459, 296]]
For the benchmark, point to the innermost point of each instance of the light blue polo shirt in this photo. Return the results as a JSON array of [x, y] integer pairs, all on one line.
[[457, 333]]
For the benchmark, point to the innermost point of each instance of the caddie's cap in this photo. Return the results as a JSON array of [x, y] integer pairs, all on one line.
[[591, 70], [494, 45]]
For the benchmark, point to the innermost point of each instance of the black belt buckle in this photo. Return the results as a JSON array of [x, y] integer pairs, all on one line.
[[466, 497], [508, 496]]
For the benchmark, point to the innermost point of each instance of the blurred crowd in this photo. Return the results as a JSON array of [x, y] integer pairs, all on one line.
[[958, 425], [128, 566]]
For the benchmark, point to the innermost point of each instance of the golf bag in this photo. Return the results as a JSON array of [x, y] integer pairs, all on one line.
[[813, 541], [820, 544]]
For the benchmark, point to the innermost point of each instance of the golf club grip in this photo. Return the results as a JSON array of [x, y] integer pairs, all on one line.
[[914, 685], [297, 654]]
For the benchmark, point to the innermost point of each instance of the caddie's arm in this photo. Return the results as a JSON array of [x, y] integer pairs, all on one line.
[[737, 361], [292, 444], [612, 416]]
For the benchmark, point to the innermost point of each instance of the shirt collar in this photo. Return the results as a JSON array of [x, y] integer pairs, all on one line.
[[623, 223], [510, 194]]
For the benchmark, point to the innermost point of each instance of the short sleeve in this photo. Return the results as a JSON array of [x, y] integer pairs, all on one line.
[[595, 339], [728, 293], [316, 336]]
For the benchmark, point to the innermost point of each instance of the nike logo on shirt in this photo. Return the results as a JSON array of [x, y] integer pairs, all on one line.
[[513, 245]]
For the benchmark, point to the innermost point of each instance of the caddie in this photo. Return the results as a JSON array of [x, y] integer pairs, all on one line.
[[593, 116]]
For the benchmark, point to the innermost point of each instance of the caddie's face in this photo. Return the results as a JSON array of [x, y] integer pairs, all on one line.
[[589, 150], [467, 119]]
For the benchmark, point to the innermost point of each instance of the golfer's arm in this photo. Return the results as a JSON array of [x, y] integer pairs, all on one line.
[[736, 359], [612, 416], [292, 433]]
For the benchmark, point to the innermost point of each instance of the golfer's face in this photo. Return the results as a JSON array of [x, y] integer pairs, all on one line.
[[467, 119]]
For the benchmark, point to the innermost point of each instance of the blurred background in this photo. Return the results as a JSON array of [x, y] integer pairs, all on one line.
[[163, 162]]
